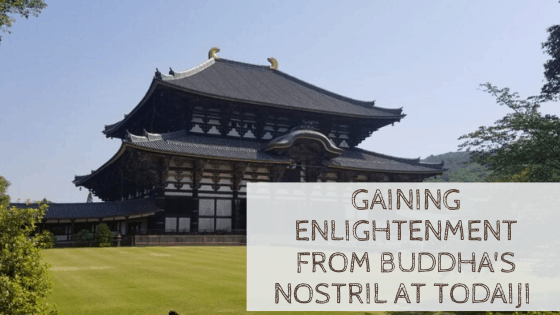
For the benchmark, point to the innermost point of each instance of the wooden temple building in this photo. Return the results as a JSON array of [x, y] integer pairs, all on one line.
[[195, 140]]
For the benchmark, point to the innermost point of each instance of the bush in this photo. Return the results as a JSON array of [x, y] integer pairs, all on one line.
[[104, 236], [83, 238], [24, 278], [45, 239]]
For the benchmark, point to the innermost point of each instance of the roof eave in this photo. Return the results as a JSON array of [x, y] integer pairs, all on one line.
[[114, 127], [397, 117], [143, 214], [125, 145], [80, 182], [434, 172], [287, 162]]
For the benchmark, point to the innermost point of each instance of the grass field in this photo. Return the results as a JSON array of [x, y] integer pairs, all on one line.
[[150, 280]]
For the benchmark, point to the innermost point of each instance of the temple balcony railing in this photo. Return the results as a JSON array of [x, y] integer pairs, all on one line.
[[163, 237]]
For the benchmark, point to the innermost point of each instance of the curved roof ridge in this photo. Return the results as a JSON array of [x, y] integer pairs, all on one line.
[[111, 127], [287, 140], [412, 161], [147, 136], [172, 134], [188, 73], [433, 163], [79, 179], [134, 138], [244, 64]]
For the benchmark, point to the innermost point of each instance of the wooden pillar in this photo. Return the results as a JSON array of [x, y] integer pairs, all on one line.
[[277, 173], [194, 213], [161, 183], [198, 170], [72, 229], [238, 170], [127, 226], [235, 215]]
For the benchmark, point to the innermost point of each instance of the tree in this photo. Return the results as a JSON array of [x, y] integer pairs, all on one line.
[[24, 280], [4, 198], [522, 146], [22, 7], [45, 239], [83, 238], [551, 89], [104, 236]]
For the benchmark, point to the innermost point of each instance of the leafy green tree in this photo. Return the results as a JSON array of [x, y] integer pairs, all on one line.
[[522, 146], [45, 239], [24, 8], [551, 89], [83, 238], [24, 280], [4, 198], [104, 236]]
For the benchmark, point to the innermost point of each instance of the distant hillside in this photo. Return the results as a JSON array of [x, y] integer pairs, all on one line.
[[459, 168], [451, 160]]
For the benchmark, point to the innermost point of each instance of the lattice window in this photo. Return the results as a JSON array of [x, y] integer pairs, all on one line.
[[214, 215]]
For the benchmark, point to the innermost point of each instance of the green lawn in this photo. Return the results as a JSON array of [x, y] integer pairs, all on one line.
[[150, 280]]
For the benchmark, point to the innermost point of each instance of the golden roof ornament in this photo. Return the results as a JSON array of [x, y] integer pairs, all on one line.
[[273, 63], [212, 53]]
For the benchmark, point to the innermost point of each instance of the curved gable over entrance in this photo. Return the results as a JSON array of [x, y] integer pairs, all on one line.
[[304, 145]]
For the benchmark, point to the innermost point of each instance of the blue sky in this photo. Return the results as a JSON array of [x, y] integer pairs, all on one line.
[[84, 64]]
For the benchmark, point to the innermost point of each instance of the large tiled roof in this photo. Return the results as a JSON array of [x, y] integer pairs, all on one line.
[[197, 146], [249, 83], [94, 210], [203, 146], [258, 85], [226, 148]]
